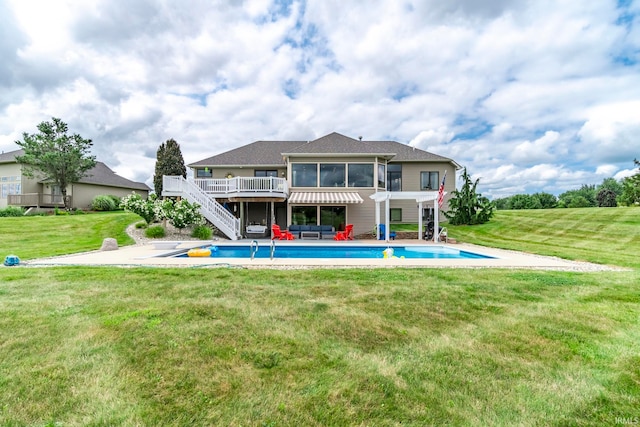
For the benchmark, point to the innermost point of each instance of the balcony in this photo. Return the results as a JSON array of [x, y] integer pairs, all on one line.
[[234, 189], [37, 200]]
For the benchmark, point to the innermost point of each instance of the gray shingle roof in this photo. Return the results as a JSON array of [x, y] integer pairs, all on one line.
[[99, 175], [271, 152]]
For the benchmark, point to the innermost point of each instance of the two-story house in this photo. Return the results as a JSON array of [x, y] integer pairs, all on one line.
[[333, 180]]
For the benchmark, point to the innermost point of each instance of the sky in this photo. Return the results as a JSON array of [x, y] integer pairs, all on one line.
[[528, 95]]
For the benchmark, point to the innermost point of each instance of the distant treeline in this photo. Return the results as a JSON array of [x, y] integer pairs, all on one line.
[[610, 193]]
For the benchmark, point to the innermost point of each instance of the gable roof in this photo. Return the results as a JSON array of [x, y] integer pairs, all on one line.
[[273, 153], [100, 174]]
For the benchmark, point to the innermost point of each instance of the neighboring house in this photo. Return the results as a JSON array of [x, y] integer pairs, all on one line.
[[19, 190], [333, 180]]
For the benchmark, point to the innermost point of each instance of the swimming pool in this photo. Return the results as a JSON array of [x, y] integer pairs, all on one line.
[[338, 251]]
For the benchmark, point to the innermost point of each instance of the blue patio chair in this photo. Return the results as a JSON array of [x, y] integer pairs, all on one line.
[[383, 234]]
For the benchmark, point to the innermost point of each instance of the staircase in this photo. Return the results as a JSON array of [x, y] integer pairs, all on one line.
[[221, 218]]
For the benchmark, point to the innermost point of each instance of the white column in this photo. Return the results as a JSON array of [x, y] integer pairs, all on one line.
[[420, 220], [377, 220], [436, 227], [386, 220]]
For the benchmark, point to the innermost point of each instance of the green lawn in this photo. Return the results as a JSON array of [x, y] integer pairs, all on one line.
[[108, 346], [601, 235], [44, 236]]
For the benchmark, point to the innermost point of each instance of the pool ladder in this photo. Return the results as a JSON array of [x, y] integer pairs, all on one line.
[[254, 248]]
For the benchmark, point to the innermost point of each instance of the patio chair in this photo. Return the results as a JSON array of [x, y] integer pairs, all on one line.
[[279, 234], [383, 233], [347, 234]]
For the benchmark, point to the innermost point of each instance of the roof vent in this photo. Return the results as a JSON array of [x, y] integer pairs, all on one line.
[[360, 138]]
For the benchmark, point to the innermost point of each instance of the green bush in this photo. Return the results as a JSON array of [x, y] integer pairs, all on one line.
[[12, 211], [155, 231], [141, 224], [104, 203], [201, 232]]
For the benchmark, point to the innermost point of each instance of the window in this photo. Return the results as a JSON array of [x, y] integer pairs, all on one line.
[[304, 175], [265, 173], [303, 215], [429, 180], [394, 177], [360, 175], [204, 173], [395, 214], [381, 176], [336, 216], [331, 175]]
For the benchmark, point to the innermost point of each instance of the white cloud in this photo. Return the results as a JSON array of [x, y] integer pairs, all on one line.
[[528, 95]]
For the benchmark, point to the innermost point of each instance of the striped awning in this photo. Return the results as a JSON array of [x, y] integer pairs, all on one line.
[[325, 197]]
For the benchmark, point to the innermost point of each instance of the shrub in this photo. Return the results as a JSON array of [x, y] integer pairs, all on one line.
[[12, 211], [117, 200], [155, 231], [103, 203], [202, 232], [141, 224], [136, 204]]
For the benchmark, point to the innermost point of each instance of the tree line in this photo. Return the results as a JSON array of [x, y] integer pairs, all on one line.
[[610, 193]]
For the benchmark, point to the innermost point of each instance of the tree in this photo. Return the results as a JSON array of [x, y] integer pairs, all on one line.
[[467, 206], [611, 184], [547, 201], [169, 162], [631, 188], [585, 197], [606, 198], [60, 158]]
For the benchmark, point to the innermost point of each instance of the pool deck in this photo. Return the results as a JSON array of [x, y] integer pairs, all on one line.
[[148, 255]]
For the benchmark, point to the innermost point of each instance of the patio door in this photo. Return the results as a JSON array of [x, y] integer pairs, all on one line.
[[336, 216]]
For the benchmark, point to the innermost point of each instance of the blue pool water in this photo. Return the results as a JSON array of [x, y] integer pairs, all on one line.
[[339, 251]]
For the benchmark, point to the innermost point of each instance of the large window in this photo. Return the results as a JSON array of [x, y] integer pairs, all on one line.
[[429, 180], [394, 177], [265, 173], [336, 216], [331, 175], [303, 215], [304, 174], [382, 176], [361, 175]]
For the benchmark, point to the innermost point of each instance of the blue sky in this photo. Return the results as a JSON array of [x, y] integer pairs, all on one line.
[[529, 95]]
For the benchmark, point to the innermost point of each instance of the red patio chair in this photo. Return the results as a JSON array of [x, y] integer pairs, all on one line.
[[347, 234], [277, 233]]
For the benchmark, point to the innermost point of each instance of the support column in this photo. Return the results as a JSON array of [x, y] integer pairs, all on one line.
[[420, 234], [436, 226]]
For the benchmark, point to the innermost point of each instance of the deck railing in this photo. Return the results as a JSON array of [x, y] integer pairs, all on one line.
[[240, 184], [37, 200]]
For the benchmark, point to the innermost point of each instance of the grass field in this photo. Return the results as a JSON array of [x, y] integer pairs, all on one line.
[[149, 346]]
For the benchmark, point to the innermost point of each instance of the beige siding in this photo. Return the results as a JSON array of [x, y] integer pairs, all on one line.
[[83, 194]]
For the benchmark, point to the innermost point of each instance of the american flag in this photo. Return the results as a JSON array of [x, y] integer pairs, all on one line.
[[441, 191]]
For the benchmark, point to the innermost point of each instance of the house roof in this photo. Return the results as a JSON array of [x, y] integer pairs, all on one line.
[[273, 153], [100, 174]]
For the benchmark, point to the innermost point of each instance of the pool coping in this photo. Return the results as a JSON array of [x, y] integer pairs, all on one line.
[[148, 255]]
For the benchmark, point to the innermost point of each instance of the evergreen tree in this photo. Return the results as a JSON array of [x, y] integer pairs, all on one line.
[[55, 156], [467, 206], [169, 162], [606, 198]]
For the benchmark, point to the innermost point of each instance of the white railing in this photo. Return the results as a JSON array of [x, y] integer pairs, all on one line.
[[240, 184], [209, 207]]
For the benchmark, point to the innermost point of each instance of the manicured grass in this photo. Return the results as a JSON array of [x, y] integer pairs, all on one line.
[[602, 235], [43, 236], [172, 347], [82, 346]]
